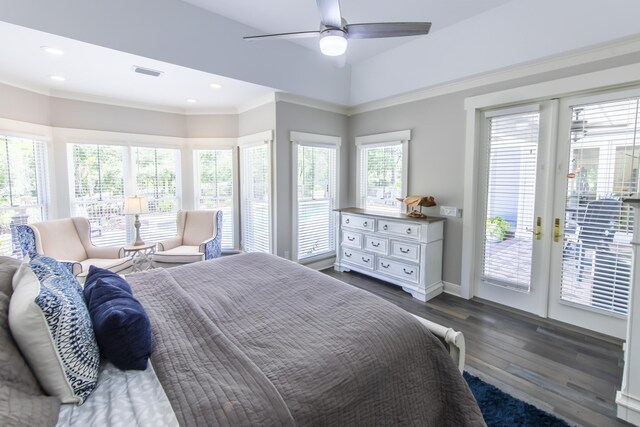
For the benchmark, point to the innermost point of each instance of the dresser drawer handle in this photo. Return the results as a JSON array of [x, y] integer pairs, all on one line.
[[375, 244], [366, 259], [386, 227], [365, 224], [347, 255], [384, 266], [405, 251], [407, 272], [408, 230], [351, 238], [347, 221]]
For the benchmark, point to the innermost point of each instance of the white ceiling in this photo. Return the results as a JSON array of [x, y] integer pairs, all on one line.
[[283, 16], [97, 73], [469, 39]]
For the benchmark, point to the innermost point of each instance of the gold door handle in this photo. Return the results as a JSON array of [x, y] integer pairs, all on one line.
[[538, 230], [556, 230]]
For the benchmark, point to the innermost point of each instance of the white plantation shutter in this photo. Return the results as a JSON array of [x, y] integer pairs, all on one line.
[[97, 177], [214, 181], [255, 194], [24, 195], [512, 151], [604, 155], [316, 193], [156, 172], [381, 180]]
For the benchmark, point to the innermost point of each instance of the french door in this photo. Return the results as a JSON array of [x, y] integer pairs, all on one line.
[[599, 147], [553, 235], [514, 184]]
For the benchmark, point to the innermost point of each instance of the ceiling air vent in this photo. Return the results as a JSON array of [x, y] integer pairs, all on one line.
[[147, 71]]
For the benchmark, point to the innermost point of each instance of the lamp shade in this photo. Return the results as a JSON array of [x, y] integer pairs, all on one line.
[[135, 205]]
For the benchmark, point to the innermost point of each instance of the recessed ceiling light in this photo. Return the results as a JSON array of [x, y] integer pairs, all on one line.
[[215, 86], [57, 78], [191, 100], [52, 50]]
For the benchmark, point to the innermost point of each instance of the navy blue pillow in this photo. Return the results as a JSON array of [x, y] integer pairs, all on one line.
[[121, 325]]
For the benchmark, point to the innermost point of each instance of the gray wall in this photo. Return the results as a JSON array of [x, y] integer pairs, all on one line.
[[24, 105], [293, 117], [436, 150], [257, 120]]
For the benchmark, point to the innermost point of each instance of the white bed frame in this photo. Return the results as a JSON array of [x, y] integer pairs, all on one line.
[[454, 340]]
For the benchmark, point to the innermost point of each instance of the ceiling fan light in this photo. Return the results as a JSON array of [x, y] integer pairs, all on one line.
[[333, 43]]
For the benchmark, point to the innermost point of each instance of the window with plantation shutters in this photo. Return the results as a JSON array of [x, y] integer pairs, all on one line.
[[156, 173], [510, 183], [316, 178], [24, 195], [97, 179], [604, 155], [214, 183], [255, 197]]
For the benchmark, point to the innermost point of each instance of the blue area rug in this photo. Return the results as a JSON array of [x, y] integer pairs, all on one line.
[[501, 410]]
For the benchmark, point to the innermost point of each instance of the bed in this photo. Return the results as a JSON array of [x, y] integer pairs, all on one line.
[[253, 339]]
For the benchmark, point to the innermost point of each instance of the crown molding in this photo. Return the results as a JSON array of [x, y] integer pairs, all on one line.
[[311, 103], [599, 52], [259, 102]]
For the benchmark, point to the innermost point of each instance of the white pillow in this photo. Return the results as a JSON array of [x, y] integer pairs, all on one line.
[[50, 323]]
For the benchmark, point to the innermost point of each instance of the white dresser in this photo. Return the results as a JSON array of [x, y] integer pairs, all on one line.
[[392, 247]]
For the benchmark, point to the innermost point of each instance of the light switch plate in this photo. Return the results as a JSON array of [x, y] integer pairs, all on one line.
[[451, 211]]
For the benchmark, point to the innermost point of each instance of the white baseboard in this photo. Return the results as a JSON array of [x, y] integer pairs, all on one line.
[[452, 289], [628, 408]]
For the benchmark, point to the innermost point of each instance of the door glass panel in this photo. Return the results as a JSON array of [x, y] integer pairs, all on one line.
[[603, 169], [510, 199]]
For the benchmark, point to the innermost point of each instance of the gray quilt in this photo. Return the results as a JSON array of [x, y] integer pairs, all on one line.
[[255, 340]]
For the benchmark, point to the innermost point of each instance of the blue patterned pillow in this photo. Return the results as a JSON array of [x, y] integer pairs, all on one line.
[[62, 351]]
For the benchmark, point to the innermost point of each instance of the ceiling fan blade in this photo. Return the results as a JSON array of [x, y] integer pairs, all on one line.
[[296, 35], [330, 12], [387, 29]]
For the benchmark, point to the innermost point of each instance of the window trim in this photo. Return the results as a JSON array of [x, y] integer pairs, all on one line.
[[256, 139], [401, 137], [219, 144], [298, 139]]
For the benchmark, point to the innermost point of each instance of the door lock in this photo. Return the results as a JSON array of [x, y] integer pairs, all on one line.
[[556, 230], [538, 230]]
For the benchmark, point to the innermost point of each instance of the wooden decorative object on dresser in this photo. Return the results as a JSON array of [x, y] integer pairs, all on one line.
[[392, 247]]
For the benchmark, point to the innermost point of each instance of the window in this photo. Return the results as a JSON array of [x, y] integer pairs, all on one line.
[[382, 170], [255, 196], [98, 190], [23, 188], [156, 172], [315, 158], [214, 187], [102, 176]]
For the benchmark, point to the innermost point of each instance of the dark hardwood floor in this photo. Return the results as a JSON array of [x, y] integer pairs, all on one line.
[[561, 369]]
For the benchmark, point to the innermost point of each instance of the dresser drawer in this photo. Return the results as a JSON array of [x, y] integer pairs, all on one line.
[[398, 269], [405, 250], [357, 258], [399, 228], [349, 238], [357, 221], [376, 244]]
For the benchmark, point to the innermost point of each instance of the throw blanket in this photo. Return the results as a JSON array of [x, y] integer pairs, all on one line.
[[253, 339]]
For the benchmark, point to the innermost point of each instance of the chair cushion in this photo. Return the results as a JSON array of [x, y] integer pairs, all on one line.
[[116, 265], [199, 226], [121, 325], [59, 239], [179, 255], [51, 325], [25, 403]]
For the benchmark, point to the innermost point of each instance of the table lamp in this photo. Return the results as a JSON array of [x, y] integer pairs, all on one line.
[[136, 205]]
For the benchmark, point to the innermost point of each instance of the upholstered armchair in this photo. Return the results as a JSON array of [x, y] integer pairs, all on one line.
[[199, 238], [69, 241]]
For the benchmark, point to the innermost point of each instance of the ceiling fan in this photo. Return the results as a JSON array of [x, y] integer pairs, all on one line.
[[335, 32]]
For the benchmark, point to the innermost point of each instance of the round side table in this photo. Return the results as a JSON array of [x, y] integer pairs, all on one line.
[[141, 256]]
